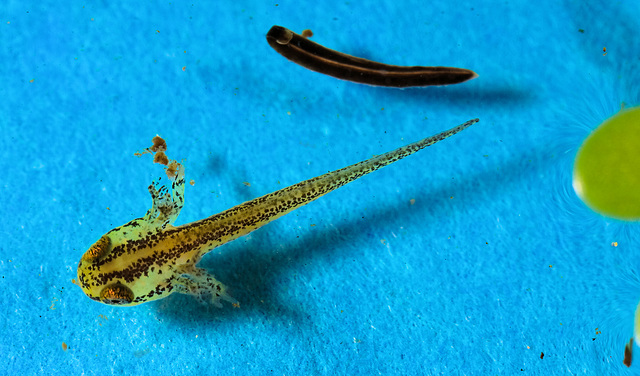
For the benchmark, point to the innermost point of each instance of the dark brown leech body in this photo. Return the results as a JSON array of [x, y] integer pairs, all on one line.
[[628, 352], [320, 59]]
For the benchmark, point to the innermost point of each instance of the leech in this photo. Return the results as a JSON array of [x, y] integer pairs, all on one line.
[[320, 59], [628, 353]]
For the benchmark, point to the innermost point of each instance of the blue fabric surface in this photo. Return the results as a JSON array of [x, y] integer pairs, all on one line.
[[471, 257]]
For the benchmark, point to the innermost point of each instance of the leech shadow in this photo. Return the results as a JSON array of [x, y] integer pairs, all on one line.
[[251, 272], [470, 95]]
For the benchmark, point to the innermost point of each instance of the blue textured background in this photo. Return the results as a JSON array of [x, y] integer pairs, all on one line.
[[494, 263]]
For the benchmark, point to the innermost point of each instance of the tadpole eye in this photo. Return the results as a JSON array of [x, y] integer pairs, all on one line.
[[98, 250], [116, 294]]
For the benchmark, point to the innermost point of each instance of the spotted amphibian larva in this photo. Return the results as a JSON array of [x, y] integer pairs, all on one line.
[[149, 258]]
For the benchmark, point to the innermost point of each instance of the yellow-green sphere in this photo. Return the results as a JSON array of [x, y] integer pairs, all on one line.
[[606, 173]]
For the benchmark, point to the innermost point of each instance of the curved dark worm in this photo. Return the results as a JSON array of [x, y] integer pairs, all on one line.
[[320, 59]]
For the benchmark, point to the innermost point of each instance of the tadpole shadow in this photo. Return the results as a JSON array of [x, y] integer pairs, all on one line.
[[251, 272]]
